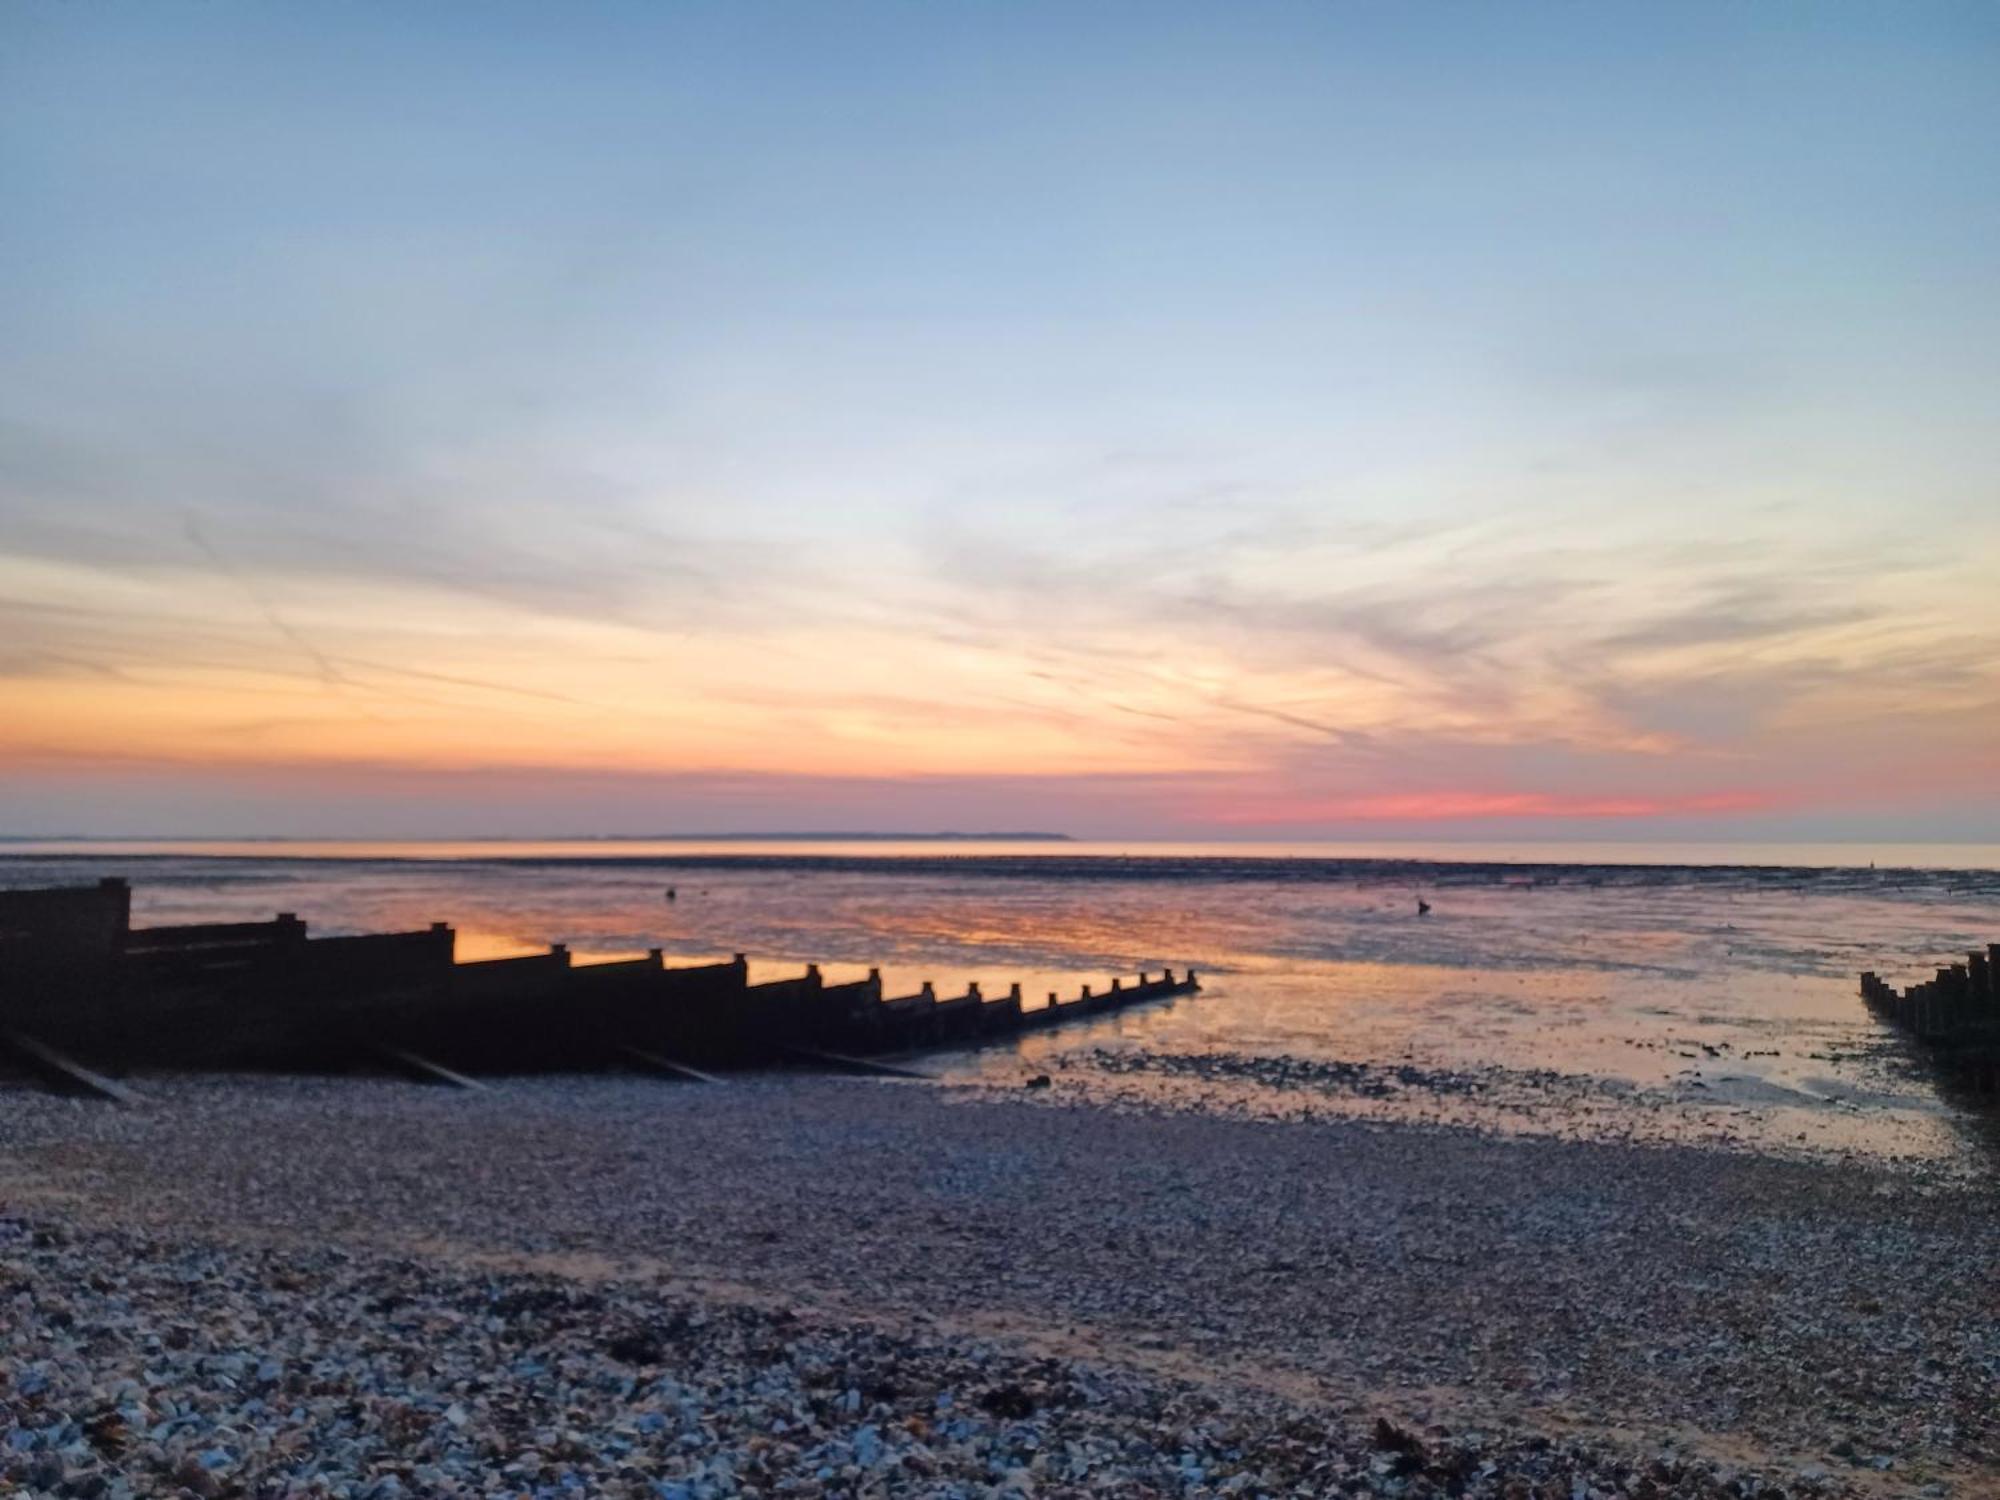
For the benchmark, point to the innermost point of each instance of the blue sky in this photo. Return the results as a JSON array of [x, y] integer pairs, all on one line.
[[1281, 419]]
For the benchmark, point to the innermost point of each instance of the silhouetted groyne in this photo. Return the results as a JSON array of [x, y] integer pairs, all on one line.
[[81, 986], [1955, 1017]]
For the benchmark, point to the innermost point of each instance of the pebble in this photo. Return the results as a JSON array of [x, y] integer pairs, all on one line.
[[342, 1289]]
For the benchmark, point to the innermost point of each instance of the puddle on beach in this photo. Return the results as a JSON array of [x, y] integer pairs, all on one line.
[[1597, 1001]]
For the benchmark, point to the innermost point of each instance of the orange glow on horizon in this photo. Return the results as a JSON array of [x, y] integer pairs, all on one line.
[[365, 681]]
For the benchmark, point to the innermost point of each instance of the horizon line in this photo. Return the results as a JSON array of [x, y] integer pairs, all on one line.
[[877, 836]]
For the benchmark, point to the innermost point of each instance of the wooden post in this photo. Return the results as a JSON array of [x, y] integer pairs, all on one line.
[[119, 895], [392, 976]]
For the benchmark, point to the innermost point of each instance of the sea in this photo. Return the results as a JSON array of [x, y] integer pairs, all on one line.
[[1638, 992]]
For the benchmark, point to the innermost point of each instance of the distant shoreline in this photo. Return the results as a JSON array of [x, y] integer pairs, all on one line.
[[946, 837], [1076, 862]]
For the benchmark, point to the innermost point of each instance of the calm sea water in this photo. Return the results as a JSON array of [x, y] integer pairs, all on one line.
[[1645, 992]]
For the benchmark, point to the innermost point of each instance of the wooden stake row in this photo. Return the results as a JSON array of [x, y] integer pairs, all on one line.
[[1954, 1016], [79, 982]]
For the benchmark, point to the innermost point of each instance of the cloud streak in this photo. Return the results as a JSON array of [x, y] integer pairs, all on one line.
[[1346, 422]]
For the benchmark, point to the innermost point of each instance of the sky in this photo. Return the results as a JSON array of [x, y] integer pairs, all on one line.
[[1254, 420]]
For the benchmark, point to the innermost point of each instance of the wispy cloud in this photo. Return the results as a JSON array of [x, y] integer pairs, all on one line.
[[1335, 422]]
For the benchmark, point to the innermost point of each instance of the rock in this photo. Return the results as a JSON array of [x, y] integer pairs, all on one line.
[[1389, 1438], [1009, 1402], [637, 1348], [45, 1472], [192, 1474]]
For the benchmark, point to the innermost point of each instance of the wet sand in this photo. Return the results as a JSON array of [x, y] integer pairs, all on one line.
[[1529, 1313], [1722, 998], [1823, 1117]]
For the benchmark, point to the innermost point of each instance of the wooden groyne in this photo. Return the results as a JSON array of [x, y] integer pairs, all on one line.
[[1954, 1017], [81, 985]]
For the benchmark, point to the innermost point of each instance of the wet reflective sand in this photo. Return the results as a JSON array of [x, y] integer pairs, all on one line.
[[1592, 1000]]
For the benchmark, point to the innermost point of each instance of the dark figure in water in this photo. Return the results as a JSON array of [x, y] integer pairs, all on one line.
[[670, 893], [1423, 907]]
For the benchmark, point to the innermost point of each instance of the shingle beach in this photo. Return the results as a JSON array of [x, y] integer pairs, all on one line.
[[801, 1286]]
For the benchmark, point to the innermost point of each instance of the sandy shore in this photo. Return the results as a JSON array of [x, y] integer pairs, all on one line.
[[810, 1286]]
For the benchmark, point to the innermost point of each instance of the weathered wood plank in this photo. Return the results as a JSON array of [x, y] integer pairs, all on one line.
[[846, 1063], [428, 1071], [66, 1073], [653, 1062]]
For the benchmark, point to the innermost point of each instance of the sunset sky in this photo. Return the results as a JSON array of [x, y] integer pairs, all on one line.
[[1232, 420]]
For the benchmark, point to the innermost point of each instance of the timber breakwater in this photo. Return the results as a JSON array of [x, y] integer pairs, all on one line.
[[1954, 1017], [82, 990]]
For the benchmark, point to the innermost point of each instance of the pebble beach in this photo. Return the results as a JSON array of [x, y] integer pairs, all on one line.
[[814, 1286]]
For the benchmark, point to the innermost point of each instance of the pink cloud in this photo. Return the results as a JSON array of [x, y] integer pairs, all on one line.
[[1443, 806]]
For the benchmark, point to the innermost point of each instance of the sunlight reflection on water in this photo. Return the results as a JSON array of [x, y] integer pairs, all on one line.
[[1703, 1005]]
